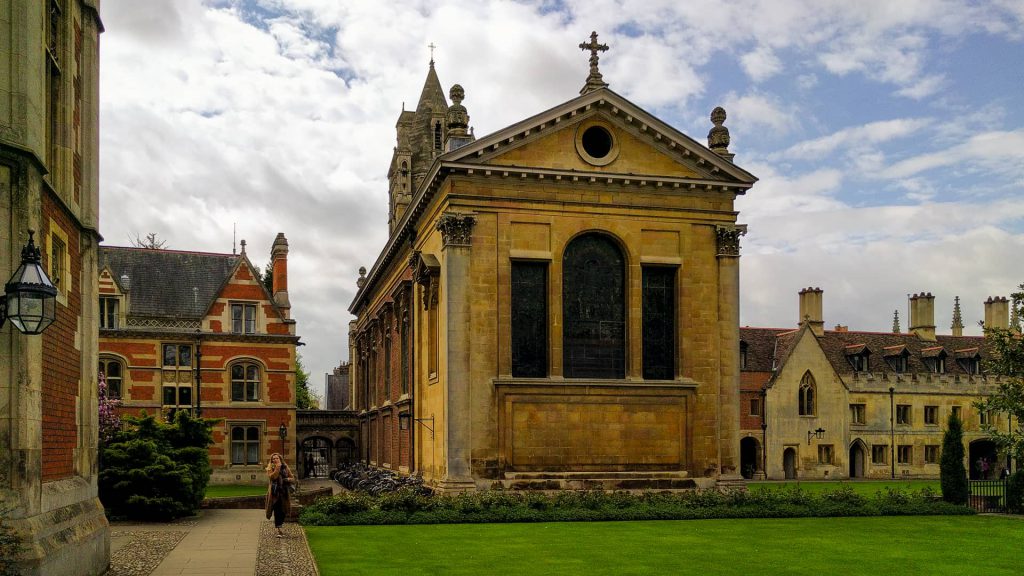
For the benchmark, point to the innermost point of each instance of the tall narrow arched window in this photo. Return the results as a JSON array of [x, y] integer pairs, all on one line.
[[437, 136], [594, 308], [807, 395], [113, 371]]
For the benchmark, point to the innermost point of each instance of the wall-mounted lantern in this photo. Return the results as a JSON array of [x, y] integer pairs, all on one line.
[[30, 299]]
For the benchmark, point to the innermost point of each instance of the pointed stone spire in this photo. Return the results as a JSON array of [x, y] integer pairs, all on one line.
[[958, 321], [594, 81], [432, 95], [896, 321]]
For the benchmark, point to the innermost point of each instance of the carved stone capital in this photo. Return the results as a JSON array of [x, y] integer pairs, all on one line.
[[729, 239], [456, 228]]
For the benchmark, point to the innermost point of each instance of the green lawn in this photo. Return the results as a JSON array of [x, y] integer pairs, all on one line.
[[230, 490], [865, 487], [931, 545]]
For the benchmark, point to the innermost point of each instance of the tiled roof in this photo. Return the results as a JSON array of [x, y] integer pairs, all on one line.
[[760, 343], [836, 346], [168, 283]]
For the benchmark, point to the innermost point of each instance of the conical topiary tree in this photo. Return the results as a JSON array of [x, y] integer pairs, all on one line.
[[952, 472]]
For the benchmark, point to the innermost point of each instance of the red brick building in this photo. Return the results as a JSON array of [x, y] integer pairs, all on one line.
[[199, 331]]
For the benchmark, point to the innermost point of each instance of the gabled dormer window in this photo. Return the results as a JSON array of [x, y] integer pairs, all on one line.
[[243, 318], [969, 360], [934, 359], [897, 358], [858, 356]]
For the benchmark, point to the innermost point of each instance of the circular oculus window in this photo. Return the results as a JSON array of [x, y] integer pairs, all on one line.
[[596, 145]]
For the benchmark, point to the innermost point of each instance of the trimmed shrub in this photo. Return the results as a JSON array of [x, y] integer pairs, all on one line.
[[156, 471], [953, 476], [500, 506], [1015, 492]]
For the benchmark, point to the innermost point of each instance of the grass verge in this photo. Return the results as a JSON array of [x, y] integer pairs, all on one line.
[[233, 490], [926, 545]]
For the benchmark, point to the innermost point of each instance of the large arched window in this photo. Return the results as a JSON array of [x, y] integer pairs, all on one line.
[[245, 382], [593, 308], [113, 371], [807, 395]]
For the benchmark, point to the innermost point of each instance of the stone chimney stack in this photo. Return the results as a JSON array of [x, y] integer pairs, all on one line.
[[810, 310], [279, 263], [997, 313], [922, 316]]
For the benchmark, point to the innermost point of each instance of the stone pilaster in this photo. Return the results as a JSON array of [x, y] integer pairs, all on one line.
[[456, 232], [729, 349]]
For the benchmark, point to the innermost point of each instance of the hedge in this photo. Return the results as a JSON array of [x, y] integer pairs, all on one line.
[[406, 507]]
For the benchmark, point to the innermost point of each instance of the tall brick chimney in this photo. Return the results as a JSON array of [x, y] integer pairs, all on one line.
[[279, 260], [997, 312], [922, 316], [810, 310]]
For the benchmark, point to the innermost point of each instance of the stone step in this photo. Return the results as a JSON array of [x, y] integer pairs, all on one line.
[[601, 474], [583, 483]]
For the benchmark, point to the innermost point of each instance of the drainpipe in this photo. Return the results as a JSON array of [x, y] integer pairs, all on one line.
[[764, 431], [892, 430]]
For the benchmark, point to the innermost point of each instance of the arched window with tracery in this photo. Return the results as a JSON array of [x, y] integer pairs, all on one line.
[[113, 371], [807, 395], [594, 308], [245, 381]]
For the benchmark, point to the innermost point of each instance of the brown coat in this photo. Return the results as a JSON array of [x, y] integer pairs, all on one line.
[[282, 478]]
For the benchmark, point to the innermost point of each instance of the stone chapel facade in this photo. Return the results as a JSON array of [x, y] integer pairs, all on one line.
[[557, 302]]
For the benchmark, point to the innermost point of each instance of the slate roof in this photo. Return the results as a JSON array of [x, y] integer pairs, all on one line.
[[168, 283], [768, 347], [761, 343], [883, 344]]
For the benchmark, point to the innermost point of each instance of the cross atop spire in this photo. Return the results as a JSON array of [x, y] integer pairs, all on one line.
[[431, 46], [594, 80]]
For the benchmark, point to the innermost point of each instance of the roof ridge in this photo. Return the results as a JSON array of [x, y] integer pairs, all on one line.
[[163, 250]]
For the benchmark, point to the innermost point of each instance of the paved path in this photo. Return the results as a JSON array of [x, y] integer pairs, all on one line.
[[222, 543]]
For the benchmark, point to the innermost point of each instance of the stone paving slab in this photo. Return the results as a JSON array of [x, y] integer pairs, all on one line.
[[222, 543]]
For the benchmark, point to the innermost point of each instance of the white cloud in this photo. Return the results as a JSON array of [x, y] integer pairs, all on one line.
[[998, 150], [761, 64], [872, 133]]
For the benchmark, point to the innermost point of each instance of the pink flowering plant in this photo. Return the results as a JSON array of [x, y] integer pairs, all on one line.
[[110, 422]]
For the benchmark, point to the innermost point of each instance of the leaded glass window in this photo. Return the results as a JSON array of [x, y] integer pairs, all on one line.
[[659, 322], [593, 308], [530, 319]]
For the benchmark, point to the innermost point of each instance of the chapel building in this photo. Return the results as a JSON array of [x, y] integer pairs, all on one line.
[[838, 404], [201, 332], [557, 304]]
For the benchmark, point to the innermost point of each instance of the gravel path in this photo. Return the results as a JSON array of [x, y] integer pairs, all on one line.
[[286, 556], [140, 550]]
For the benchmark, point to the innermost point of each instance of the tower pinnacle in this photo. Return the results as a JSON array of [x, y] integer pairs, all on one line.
[[958, 321]]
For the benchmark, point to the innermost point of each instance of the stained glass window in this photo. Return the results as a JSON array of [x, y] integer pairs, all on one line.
[[530, 319], [593, 309], [659, 322]]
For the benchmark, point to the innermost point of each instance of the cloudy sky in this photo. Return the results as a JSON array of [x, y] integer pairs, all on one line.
[[888, 136]]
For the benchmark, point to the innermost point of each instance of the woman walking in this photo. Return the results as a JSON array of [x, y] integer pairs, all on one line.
[[278, 501]]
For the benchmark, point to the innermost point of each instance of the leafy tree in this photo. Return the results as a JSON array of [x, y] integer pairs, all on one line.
[[267, 277], [150, 242], [1006, 360], [952, 474], [156, 471], [305, 399]]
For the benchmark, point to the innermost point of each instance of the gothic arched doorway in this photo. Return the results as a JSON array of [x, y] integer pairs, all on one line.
[[789, 463], [983, 460], [749, 461], [857, 458], [316, 457]]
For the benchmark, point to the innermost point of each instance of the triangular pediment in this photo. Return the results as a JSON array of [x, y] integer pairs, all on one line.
[[603, 133]]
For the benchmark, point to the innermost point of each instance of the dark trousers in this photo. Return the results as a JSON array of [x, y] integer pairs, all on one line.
[[279, 513]]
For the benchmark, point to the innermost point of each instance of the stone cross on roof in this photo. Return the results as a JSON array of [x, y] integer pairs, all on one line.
[[431, 46], [594, 80]]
